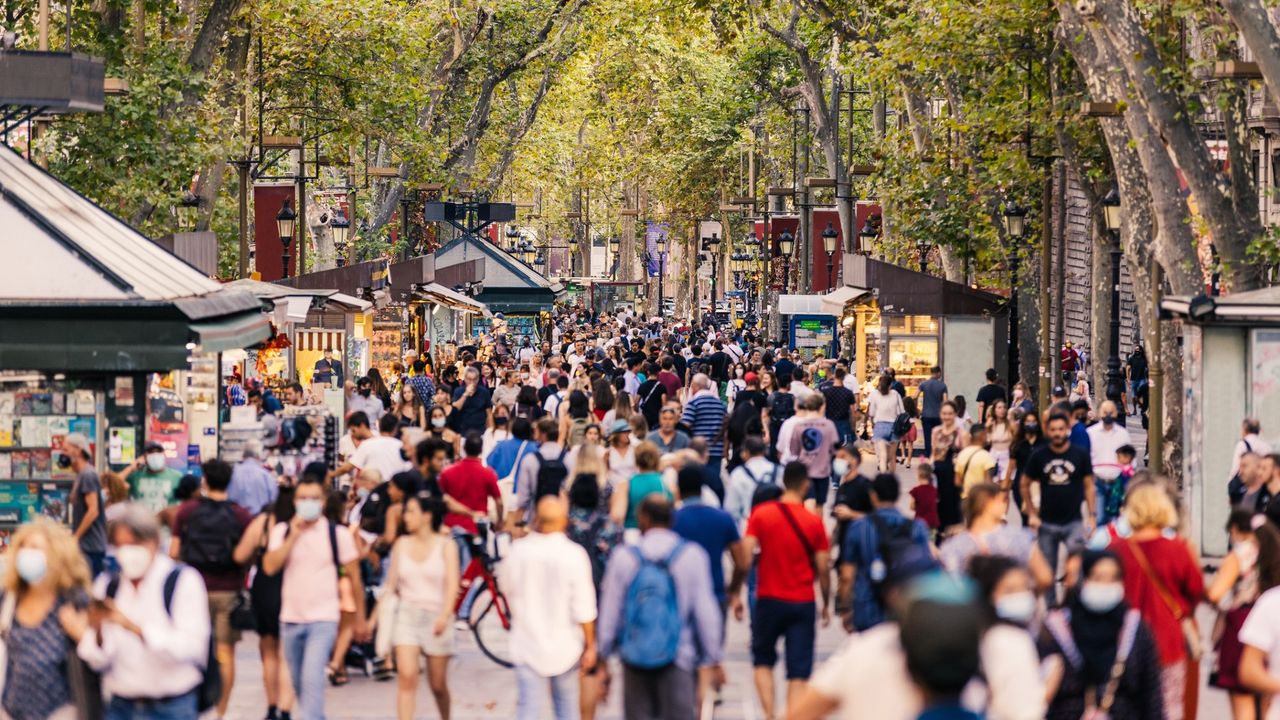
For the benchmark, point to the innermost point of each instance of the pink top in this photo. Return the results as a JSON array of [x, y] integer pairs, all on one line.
[[310, 587], [421, 583]]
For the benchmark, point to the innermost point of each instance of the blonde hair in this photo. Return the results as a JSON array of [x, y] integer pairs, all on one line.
[[117, 487], [1148, 505], [590, 461], [67, 569]]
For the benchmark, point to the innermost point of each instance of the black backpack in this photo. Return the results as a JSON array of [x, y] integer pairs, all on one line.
[[902, 425], [210, 535], [782, 407], [551, 476], [209, 691], [765, 491], [894, 544]]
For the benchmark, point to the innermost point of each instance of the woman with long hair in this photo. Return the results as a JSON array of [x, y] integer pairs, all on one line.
[[497, 431], [1028, 437], [423, 579], [1080, 390], [1102, 656], [590, 527], [948, 437], [534, 378], [264, 592], [527, 405], [768, 382], [379, 387], [410, 411], [1260, 634], [621, 409], [602, 398], [620, 456], [574, 421], [628, 495], [43, 613], [884, 406], [1000, 433], [437, 426], [1163, 581], [488, 374], [1255, 545]]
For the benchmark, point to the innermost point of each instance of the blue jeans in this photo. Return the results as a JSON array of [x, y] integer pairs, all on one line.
[[97, 563], [531, 692], [927, 424], [182, 707], [307, 647], [463, 540], [844, 430], [711, 475]]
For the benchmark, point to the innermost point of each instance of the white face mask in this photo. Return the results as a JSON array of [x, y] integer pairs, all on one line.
[[362, 493], [134, 561], [309, 509], [1101, 597], [1019, 607], [155, 462], [32, 565], [840, 467], [437, 422]]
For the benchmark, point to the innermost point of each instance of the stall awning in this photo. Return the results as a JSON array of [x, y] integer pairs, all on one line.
[[1260, 307], [233, 333], [804, 305], [835, 300], [450, 298]]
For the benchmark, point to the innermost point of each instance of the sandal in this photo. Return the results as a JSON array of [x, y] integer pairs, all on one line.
[[337, 676]]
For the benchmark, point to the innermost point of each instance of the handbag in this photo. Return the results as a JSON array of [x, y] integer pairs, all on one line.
[[242, 615], [1190, 631]]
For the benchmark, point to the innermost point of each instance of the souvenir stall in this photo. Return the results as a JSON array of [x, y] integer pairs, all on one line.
[[88, 311]]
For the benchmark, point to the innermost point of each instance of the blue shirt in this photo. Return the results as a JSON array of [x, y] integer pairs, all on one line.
[[1080, 437], [713, 529], [700, 637], [861, 546], [506, 456], [252, 487], [705, 415]]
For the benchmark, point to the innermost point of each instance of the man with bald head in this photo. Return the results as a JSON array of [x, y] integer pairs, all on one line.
[[547, 577], [704, 415]]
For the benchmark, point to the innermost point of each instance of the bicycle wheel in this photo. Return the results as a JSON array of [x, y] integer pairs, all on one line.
[[491, 625]]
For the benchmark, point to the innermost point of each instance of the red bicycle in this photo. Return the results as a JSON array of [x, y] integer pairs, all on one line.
[[481, 603]]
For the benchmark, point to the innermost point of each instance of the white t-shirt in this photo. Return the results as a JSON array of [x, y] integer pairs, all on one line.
[[1103, 444], [548, 576], [1262, 630], [868, 677], [383, 454], [552, 404], [884, 408]]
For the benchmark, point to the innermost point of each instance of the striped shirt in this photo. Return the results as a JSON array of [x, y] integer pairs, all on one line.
[[705, 415]]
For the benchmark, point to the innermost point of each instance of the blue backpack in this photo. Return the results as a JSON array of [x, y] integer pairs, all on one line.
[[651, 623]]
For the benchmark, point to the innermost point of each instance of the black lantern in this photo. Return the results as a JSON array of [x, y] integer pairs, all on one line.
[[1112, 215], [786, 243], [513, 237], [285, 221], [1112, 210], [870, 231], [829, 239], [1015, 220], [188, 208], [340, 226]]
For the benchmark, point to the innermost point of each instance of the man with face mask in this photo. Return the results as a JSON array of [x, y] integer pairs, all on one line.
[[312, 553], [1105, 437], [87, 520], [152, 481], [363, 400], [148, 634]]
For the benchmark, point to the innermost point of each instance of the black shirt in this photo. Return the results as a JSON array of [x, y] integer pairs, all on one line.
[[1062, 476], [719, 362], [651, 396], [680, 365], [473, 415], [839, 400], [785, 370], [989, 394], [1022, 456], [1138, 366]]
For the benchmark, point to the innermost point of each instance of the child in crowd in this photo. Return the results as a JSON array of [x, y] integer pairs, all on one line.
[[1114, 499], [924, 496]]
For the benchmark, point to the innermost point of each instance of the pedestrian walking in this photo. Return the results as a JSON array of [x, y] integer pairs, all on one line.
[[658, 613], [988, 395], [468, 486], [793, 553], [948, 438], [872, 547], [840, 404], [987, 534], [151, 480], [205, 533], [933, 393], [810, 438], [1012, 688], [253, 487], [884, 406], [629, 494], [416, 609], [1106, 437], [1027, 439], [312, 555], [974, 464], [547, 577], [87, 520], [1065, 476], [704, 415], [149, 633], [756, 474]]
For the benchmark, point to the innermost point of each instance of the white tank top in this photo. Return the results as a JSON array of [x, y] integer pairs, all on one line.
[[421, 583]]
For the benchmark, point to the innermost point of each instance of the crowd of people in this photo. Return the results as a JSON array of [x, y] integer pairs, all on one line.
[[658, 483]]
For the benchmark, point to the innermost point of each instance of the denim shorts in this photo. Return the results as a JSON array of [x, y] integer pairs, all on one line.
[[882, 431], [796, 622]]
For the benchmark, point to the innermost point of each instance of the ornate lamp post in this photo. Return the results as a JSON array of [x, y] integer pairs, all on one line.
[[711, 245], [829, 245], [661, 243], [340, 226], [1113, 215], [786, 245], [1015, 226], [285, 221], [922, 250], [869, 232]]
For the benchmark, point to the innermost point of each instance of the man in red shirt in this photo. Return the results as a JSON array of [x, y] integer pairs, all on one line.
[[467, 486], [794, 551]]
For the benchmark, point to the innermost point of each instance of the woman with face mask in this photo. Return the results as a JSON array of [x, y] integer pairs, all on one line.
[[497, 431], [436, 428], [45, 580], [1013, 688], [1028, 437], [1097, 653], [1163, 581]]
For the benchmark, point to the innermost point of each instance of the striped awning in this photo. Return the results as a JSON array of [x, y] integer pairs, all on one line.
[[317, 340]]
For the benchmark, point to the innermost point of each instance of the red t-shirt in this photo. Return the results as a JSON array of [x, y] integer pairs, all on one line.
[[926, 498], [214, 580], [471, 483], [783, 567], [1172, 563]]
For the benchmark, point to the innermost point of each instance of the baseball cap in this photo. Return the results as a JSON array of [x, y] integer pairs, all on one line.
[[750, 377], [76, 440], [620, 426], [1058, 390]]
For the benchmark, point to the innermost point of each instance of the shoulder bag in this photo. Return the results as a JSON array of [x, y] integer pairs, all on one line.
[[804, 539]]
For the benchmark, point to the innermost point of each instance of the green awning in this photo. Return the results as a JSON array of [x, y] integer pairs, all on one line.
[[232, 333]]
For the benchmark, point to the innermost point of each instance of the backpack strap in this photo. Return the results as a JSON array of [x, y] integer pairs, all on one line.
[[333, 547], [171, 586], [804, 539], [113, 586]]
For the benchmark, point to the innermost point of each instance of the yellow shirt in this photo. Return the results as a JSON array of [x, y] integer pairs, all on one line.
[[973, 466]]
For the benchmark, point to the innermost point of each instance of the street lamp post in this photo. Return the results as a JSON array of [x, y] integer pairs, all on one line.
[[922, 249], [340, 226], [786, 245], [829, 245], [1113, 212], [1015, 226], [513, 237], [189, 211], [712, 245], [661, 243], [869, 232], [285, 220]]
